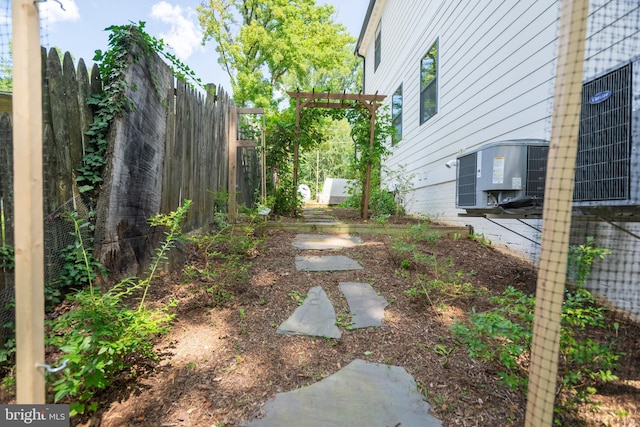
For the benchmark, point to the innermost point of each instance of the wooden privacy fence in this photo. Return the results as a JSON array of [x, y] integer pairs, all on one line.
[[173, 146]]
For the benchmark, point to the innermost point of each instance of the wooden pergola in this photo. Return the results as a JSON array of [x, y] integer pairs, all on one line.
[[343, 101]]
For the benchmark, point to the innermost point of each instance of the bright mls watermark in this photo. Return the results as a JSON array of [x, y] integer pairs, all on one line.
[[34, 415]]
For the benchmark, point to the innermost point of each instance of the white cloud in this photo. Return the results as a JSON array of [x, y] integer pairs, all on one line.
[[184, 35], [53, 11]]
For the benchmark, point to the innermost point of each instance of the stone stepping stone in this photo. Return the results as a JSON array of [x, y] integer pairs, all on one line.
[[366, 306], [321, 242], [360, 394], [318, 216], [326, 263], [315, 317]]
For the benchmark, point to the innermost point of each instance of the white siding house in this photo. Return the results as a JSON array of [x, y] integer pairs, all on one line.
[[486, 70]]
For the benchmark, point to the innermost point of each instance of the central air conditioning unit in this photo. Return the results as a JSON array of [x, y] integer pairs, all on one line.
[[608, 161], [503, 177]]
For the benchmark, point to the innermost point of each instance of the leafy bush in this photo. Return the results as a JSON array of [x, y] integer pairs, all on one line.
[[284, 203], [103, 334], [503, 336], [7, 258]]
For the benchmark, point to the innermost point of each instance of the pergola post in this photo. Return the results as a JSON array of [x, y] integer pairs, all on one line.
[[296, 152], [367, 188]]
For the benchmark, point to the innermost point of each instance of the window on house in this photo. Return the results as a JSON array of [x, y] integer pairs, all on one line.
[[376, 61], [429, 84], [396, 113]]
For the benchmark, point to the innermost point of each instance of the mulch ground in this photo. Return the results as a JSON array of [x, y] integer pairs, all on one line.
[[222, 359]]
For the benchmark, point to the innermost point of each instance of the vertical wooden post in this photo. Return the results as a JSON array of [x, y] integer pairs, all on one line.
[[27, 178], [264, 161], [233, 160], [295, 156], [557, 214], [367, 186]]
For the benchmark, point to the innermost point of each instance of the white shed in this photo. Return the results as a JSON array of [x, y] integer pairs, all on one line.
[[334, 191]]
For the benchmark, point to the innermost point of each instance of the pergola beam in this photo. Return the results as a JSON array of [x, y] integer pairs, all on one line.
[[338, 96]]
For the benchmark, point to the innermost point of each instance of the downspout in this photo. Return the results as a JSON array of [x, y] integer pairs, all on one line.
[[365, 24], [364, 66]]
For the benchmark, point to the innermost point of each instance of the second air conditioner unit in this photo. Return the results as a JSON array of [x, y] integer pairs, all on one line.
[[608, 160]]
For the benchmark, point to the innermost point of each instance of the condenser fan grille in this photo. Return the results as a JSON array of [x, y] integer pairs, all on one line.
[[467, 180], [604, 142], [536, 170]]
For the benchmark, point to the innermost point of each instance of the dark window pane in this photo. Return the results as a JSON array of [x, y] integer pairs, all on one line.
[[396, 112], [378, 46], [429, 99], [429, 84]]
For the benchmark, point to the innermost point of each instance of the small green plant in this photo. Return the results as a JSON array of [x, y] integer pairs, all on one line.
[[80, 268], [7, 256], [480, 238], [344, 319], [408, 255], [226, 253], [581, 259], [443, 351], [102, 333], [443, 284], [406, 251], [503, 336], [423, 233], [297, 297], [381, 218]]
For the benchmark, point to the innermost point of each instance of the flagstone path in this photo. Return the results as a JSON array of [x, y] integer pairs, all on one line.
[[361, 393]]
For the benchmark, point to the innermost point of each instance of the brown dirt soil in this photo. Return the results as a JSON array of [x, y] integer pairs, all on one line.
[[223, 360]]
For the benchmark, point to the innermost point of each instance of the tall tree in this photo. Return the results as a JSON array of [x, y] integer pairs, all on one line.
[[269, 46]]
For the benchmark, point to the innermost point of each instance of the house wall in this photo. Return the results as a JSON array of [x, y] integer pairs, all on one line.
[[497, 64]]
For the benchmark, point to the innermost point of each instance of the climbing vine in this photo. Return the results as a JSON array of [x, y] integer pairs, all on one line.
[[113, 101], [373, 155]]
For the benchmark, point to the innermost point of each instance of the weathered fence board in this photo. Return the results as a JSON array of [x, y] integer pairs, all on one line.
[[135, 155], [196, 146], [61, 143]]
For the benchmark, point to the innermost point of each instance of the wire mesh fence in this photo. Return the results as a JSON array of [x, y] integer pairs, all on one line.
[[591, 201]]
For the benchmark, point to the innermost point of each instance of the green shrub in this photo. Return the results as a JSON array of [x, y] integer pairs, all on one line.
[[503, 336], [103, 334]]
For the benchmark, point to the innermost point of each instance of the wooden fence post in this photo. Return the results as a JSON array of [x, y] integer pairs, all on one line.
[[557, 214], [27, 155], [233, 160]]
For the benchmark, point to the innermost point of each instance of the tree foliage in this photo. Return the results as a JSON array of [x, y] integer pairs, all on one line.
[[329, 159], [268, 46], [6, 70], [282, 136]]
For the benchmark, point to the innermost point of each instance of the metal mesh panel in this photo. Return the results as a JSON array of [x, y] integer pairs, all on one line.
[[604, 141], [536, 170], [467, 180]]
